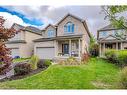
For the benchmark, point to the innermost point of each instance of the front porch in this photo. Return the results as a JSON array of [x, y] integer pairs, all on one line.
[[65, 48], [109, 45]]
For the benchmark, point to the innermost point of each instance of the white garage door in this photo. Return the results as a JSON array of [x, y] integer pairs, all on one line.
[[14, 52], [45, 52]]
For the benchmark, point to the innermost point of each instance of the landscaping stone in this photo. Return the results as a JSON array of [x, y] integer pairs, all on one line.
[[2, 77], [10, 73]]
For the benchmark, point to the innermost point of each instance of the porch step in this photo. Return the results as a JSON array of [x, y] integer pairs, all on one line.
[[57, 60]]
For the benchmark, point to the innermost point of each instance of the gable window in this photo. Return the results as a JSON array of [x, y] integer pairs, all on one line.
[[69, 28], [50, 33], [103, 34]]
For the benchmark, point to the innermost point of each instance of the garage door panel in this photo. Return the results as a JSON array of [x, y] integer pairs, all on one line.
[[45, 52]]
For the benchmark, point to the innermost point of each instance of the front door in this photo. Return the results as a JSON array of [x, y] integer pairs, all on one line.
[[109, 46], [65, 48]]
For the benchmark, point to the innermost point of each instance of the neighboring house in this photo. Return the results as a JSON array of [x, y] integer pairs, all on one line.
[[69, 37], [111, 38], [22, 43]]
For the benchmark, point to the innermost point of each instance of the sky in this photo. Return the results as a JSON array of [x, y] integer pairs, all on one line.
[[41, 16]]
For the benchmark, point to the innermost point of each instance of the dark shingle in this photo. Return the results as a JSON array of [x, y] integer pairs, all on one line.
[[16, 41], [108, 27], [56, 38], [33, 29]]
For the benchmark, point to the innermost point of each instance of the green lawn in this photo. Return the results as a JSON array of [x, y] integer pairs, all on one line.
[[96, 74], [20, 59]]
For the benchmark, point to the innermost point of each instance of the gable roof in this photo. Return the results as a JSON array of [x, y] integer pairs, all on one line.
[[48, 26], [33, 30], [71, 16], [108, 27], [18, 26], [28, 28], [81, 20], [110, 36]]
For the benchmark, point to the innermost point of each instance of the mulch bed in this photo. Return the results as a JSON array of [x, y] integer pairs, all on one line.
[[15, 77]]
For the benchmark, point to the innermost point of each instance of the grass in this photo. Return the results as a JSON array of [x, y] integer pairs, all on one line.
[[20, 59], [96, 74]]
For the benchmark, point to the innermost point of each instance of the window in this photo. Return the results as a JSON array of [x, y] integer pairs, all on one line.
[[50, 33], [69, 28], [103, 34]]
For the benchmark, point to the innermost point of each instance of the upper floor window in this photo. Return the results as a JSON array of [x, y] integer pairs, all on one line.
[[103, 34], [50, 33], [69, 28]]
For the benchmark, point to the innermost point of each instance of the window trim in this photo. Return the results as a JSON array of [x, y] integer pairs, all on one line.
[[69, 28], [50, 33]]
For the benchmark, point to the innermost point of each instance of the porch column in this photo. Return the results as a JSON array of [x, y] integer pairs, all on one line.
[[79, 52], [70, 47], [100, 49], [121, 46], [56, 48], [104, 49], [116, 45]]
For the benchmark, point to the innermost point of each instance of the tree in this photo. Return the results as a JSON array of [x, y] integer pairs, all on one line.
[[93, 48], [115, 15], [5, 34]]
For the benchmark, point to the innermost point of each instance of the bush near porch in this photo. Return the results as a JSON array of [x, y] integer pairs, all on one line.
[[118, 57]]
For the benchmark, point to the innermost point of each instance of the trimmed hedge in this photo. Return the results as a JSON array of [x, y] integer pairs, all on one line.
[[118, 57]]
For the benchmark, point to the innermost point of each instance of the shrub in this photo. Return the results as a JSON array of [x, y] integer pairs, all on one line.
[[85, 57], [118, 57], [22, 69], [94, 50], [122, 57], [33, 62], [123, 77], [3, 69], [47, 62], [42, 63], [111, 55]]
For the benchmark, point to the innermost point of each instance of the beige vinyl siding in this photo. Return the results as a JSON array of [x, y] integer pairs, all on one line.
[[78, 26], [28, 48], [49, 28]]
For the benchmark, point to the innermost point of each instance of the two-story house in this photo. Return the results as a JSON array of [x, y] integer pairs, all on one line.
[[110, 37], [69, 37], [22, 43]]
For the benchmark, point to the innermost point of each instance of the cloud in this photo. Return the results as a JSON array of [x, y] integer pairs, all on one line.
[[52, 14], [10, 19]]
